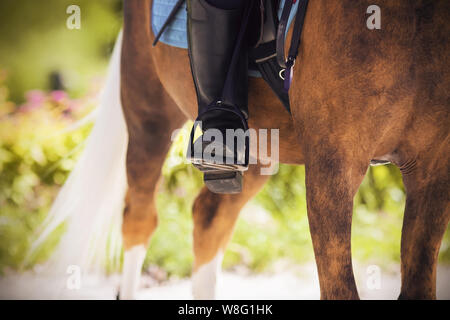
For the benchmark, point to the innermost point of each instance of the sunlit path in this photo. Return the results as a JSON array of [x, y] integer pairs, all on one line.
[[300, 284]]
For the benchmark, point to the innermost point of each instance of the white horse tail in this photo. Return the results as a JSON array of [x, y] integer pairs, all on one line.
[[91, 201]]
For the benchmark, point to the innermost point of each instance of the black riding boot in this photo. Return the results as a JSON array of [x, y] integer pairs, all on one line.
[[218, 55]]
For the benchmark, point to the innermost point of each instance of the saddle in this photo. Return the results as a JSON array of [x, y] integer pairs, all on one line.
[[266, 34]]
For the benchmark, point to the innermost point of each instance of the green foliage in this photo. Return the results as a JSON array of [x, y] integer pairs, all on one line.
[[35, 42], [285, 232], [37, 152]]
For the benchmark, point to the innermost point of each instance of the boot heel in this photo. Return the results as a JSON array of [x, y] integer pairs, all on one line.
[[229, 182]]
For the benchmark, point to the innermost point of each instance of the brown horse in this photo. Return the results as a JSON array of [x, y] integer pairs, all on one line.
[[357, 95]]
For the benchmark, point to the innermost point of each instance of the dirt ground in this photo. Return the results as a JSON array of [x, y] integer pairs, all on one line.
[[296, 283], [299, 284]]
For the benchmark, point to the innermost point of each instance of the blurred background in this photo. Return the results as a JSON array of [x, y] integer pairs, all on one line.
[[50, 78]]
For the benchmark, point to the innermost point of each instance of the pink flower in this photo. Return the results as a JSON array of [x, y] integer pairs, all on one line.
[[58, 95], [35, 99]]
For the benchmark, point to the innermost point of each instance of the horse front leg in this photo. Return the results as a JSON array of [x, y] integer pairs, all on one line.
[[331, 183], [425, 222], [214, 218]]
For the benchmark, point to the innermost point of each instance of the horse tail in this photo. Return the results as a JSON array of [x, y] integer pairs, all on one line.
[[91, 201]]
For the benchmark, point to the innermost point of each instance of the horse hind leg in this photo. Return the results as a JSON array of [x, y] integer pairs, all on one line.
[[214, 218], [151, 117], [426, 219], [146, 154]]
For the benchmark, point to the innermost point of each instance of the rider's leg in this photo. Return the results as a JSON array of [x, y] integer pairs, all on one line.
[[213, 32]]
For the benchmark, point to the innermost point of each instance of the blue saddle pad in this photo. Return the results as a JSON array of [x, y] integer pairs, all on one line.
[[176, 32]]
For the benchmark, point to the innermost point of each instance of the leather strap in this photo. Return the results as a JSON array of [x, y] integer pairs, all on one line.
[[229, 90], [281, 34], [289, 62]]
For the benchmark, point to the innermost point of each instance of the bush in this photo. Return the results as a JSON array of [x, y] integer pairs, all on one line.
[[37, 151]]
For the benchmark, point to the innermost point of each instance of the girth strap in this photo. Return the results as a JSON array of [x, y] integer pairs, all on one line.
[[289, 62]]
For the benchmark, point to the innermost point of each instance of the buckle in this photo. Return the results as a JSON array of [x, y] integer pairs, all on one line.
[[289, 73]]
